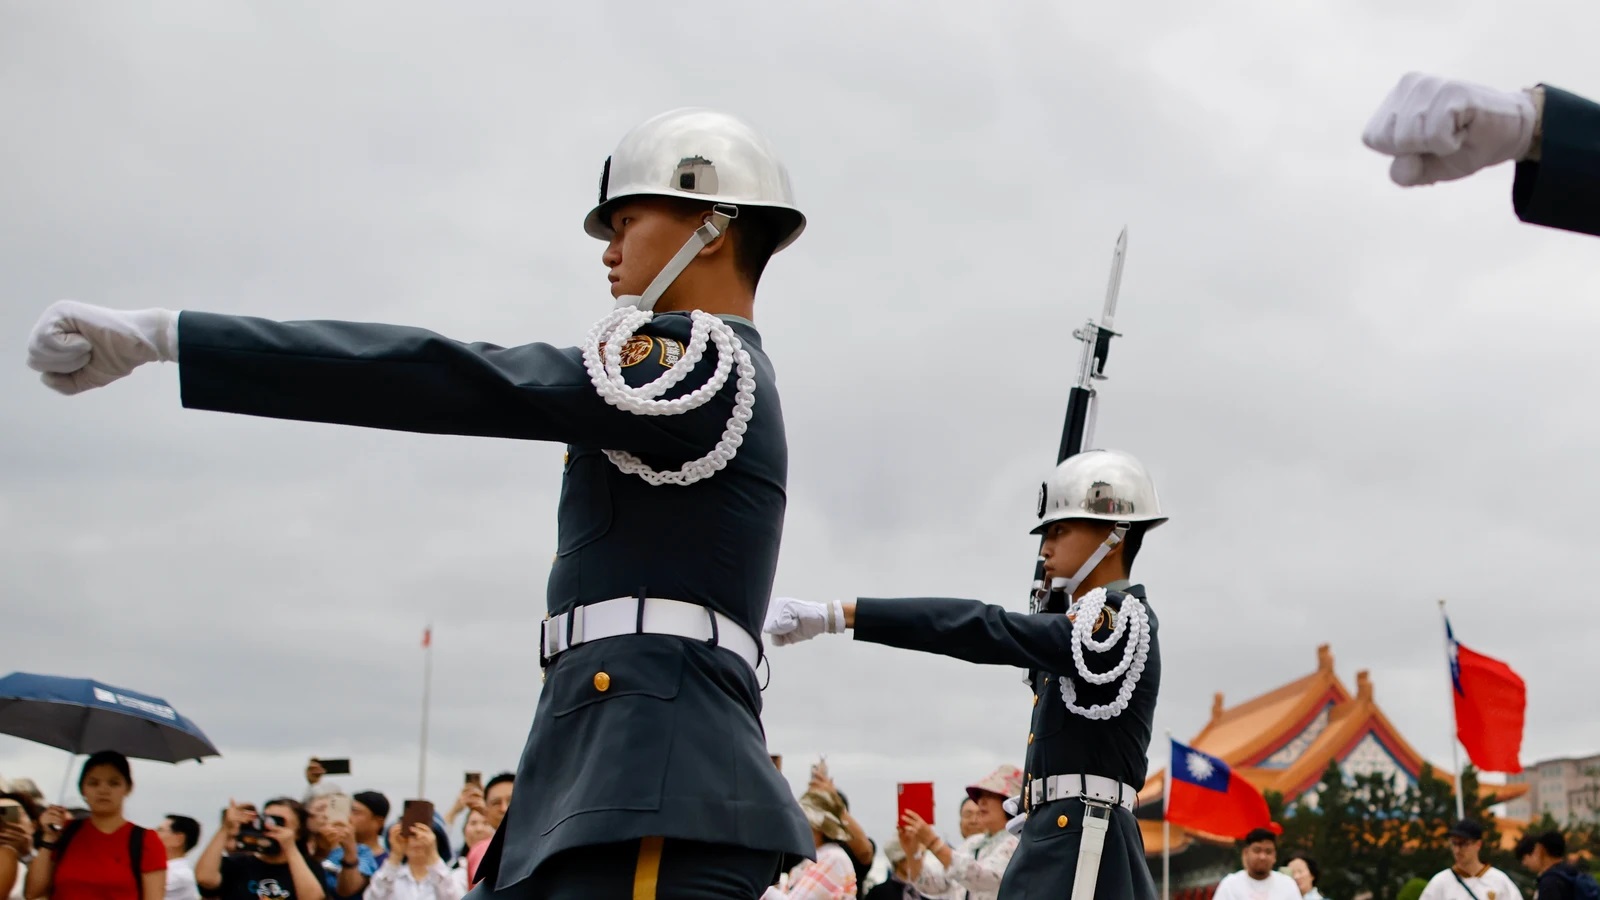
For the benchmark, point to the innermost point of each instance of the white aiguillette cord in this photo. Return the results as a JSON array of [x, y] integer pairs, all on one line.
[[632, 313]]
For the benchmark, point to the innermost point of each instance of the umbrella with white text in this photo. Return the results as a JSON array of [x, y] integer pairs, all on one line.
[[81, 715]]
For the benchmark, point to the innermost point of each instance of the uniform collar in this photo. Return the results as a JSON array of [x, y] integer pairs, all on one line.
[[1121, 585], [736, 320]]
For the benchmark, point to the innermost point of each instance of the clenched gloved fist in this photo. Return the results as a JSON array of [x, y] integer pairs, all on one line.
[[1440, 130], [78, 347], [791, 621]]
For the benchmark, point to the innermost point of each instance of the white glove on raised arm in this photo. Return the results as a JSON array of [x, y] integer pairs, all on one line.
[[791, 621], [1438, 129], [77, 346]]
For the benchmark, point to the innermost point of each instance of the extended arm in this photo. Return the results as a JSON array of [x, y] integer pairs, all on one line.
[[1558, 185], [409, 379]]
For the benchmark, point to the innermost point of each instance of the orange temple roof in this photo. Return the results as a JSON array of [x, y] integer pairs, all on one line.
[[1284, 739]]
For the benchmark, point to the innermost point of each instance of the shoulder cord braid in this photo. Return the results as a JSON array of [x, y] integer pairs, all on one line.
[[605, 368], [1134, 623]]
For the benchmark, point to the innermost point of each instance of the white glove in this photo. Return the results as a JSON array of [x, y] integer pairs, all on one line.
[[78, 346], [791, 621], [1441, 130]]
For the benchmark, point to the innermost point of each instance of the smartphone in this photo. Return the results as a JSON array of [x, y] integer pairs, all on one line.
[[338, 807], [475, 779], [334, 766], [417, 811], [253, 837], [10, 812], [917, 797]]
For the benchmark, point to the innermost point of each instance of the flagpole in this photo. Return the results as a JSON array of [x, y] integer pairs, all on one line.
[[1455, 727], [427, 691], [1166, 826]]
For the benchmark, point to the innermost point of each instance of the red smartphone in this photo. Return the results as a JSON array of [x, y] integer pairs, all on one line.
[[916, 796]]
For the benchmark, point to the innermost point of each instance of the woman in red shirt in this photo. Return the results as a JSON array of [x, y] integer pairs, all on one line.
[[102, 857]]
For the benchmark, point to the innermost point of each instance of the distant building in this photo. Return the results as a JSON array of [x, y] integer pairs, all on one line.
[[1567, 789], [1283, 741]]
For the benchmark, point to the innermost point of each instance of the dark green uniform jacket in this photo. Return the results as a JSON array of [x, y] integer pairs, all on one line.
[[673, 745], [1562, 189]]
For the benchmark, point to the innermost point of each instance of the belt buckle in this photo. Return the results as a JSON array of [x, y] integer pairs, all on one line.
[[1092, 805], [544, 642]]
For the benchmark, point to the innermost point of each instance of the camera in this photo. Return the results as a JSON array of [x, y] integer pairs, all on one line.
[[253, 837]]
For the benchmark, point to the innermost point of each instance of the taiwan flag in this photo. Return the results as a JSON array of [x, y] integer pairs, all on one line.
[[1204, 794], [1490, 702]]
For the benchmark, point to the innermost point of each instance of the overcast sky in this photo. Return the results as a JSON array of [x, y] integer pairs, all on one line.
[[1356, 399]]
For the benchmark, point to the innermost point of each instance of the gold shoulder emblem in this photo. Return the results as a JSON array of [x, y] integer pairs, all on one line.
[[634, 351]]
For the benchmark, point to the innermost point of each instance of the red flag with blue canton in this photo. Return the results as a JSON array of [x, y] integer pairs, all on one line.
[[1206, 795], [1491, 701]]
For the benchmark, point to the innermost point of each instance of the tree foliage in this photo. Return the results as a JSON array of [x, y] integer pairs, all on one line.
[[1369, 834]]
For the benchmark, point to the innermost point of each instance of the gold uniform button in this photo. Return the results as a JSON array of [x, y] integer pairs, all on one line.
[[1030, 737], [1061, 822], [602, 682], [1035, 699]]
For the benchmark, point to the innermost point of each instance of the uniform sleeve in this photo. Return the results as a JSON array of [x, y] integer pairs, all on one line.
[[983, 875], [409, 379], [980, 633], [1562, 189], [153, 858]]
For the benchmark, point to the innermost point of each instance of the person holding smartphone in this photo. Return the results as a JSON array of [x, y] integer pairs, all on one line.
[[101, 856], [275, 868], [18, 815], [415, 868]]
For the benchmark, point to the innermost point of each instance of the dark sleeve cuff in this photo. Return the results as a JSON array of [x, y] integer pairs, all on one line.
[[1562, 189]]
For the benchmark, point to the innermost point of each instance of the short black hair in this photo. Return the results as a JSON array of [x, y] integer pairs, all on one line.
[[502, 778], [1552, 842], [1131, 542], [1259, 834], [110, 758], [1311, 866], [755, 239], [189, 828]]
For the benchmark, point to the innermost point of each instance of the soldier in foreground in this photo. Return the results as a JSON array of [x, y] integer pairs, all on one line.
[[646, 773], [1441, 129], [1095, 667]]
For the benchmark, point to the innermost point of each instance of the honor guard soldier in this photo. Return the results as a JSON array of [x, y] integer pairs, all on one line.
[[1095, 666], [646, 772], [1440, 129]]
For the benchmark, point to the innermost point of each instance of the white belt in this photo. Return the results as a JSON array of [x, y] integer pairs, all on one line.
[[653, 615], [1090, 787]]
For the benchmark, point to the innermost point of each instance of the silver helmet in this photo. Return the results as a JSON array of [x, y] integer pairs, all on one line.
[[699, 154], [1104, 485]]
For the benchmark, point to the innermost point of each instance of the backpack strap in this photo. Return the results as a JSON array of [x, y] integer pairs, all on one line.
[[136, 858], [67, 833]]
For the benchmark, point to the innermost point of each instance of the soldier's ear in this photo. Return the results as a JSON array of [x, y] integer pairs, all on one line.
[[717, 244]]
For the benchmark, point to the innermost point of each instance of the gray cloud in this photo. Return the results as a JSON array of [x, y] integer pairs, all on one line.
[[1357, 399]]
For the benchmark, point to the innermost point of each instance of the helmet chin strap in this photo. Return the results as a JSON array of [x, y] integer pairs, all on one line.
[[1070, 585], [721, 215]]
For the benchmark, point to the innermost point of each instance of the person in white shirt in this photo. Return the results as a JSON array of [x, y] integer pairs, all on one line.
[[1470, 878], [1258, 880], [180, 835], [415, 869]]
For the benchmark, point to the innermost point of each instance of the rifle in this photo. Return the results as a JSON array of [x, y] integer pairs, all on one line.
[[1078, 429]]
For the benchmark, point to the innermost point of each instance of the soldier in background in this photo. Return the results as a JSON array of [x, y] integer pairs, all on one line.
[[1095, 666]]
